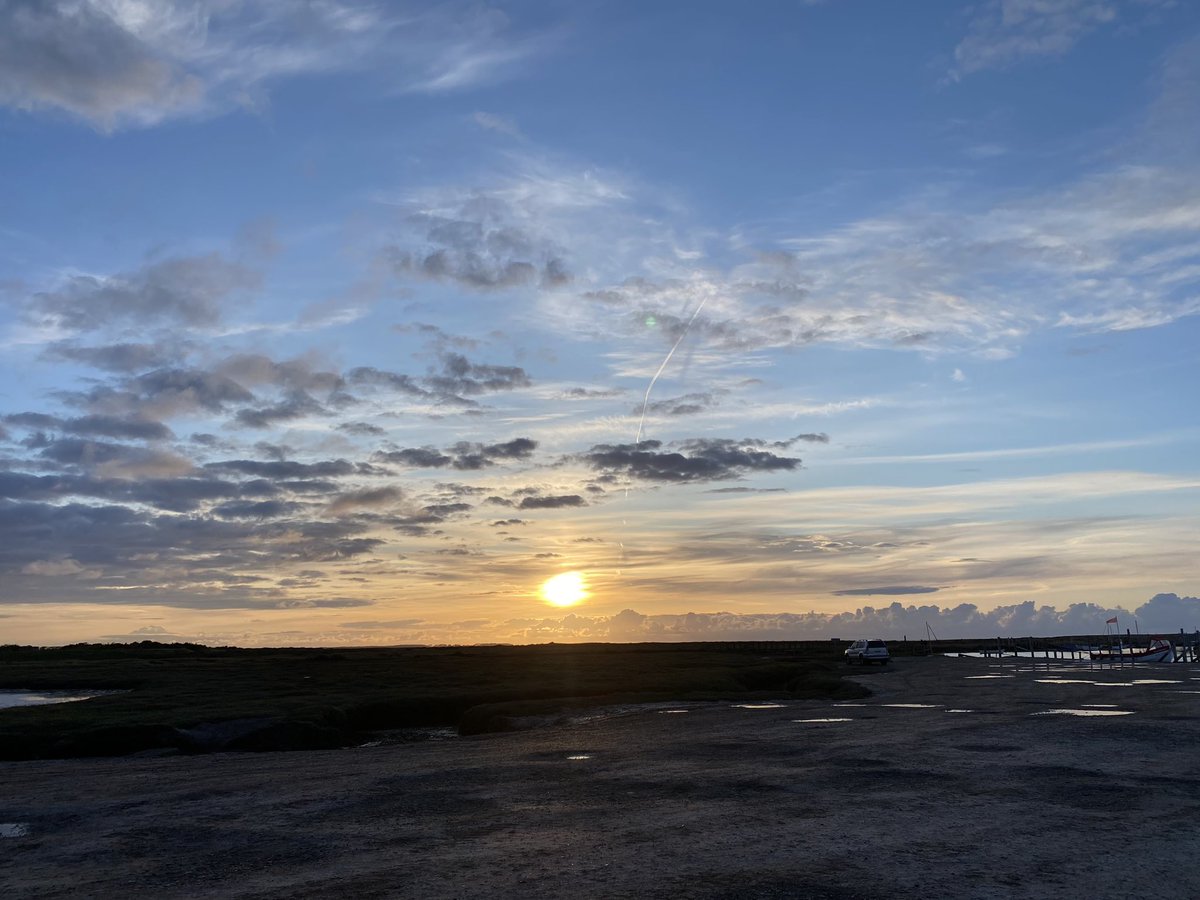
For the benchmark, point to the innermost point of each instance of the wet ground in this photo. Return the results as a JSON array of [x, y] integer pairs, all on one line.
[[1065, 782]]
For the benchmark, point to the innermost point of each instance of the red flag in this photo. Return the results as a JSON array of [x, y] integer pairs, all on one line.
[[1112, 621]]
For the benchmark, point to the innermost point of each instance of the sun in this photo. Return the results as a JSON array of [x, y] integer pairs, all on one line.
[[565, 589]]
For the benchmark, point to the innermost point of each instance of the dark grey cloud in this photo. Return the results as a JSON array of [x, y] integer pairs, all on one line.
[[188, 291], [685, 405], [371, 498], [277, 469], [886, 590], [480, 247], [124, 358], [414, 457], [452, 382], [404, 384], [361, 429], [116, 459], [560, 502], [260, 509], [297, 405], [703, 459], [163, 393], [578, 393], [437, 337], [79, 57], [464, 456], [94, 426], [459, 376]]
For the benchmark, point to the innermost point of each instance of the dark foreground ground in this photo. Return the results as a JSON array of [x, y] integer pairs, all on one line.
[[720, 801]]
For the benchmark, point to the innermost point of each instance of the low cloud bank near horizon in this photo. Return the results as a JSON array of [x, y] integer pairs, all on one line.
[[1162, 613]]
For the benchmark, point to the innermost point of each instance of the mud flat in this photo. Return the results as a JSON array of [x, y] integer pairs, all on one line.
[[1045, 783]]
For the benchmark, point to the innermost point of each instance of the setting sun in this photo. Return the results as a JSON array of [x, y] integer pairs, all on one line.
[[565, 589]]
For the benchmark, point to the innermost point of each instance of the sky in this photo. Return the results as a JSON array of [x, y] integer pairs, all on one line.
[[355, 323]]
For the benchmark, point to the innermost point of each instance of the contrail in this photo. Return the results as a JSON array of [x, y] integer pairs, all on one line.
[[650, 386]]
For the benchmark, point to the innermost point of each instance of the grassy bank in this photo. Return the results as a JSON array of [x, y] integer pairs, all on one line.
[[191, 698]]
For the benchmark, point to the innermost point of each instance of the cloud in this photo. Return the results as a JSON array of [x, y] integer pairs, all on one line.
[[372, 498], [98, 426], [686, 405], [139, 63], [1004, 32], [115, 460], [888, 590], [500, 124], [464, 455], [190, 291], [124, 357], [702, 460], [893, 623], [560, 502]]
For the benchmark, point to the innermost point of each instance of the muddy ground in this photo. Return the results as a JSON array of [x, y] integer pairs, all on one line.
[[970, 794]]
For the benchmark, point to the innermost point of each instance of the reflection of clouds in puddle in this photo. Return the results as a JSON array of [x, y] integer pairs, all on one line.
[[13, 829], [758, 706], [970, 677], [580, 756], [1084, 712], [820, 721], [11, 699], [913, 705]]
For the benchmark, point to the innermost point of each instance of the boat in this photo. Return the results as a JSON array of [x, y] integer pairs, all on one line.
[[1160, 650]]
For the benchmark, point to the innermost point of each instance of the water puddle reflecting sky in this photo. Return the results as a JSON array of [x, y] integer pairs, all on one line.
[[758, 706], [913, 705], [12, 699], [580, 756], [820, 721], [1084, 712], [959, 710]]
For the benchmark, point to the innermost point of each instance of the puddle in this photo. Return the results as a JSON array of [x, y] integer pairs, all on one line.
[[759, 706], [1086, 681], [913, 705], [820, 721], [12, 699], [13, 829], [1156, 681], [580, 756], [959, 710], [671, 712], [1084, 712]]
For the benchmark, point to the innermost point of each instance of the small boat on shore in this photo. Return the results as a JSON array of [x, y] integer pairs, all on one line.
[[1159, 651]]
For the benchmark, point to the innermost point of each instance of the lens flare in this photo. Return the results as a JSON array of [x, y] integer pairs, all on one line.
[[565, 589]]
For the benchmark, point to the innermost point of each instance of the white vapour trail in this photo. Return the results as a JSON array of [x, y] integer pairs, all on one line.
[[670, 353]]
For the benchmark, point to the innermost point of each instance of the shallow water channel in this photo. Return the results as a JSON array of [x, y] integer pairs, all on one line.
[[10, 699]]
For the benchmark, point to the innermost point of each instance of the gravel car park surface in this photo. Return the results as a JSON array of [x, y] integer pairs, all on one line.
[[957, 778]]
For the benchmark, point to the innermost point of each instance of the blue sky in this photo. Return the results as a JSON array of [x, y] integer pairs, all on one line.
[[339, 322]]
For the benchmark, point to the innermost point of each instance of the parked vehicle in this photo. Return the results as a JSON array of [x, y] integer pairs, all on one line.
[[864, 652]]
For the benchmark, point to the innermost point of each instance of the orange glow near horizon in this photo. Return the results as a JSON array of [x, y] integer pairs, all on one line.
[[565, 589]]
